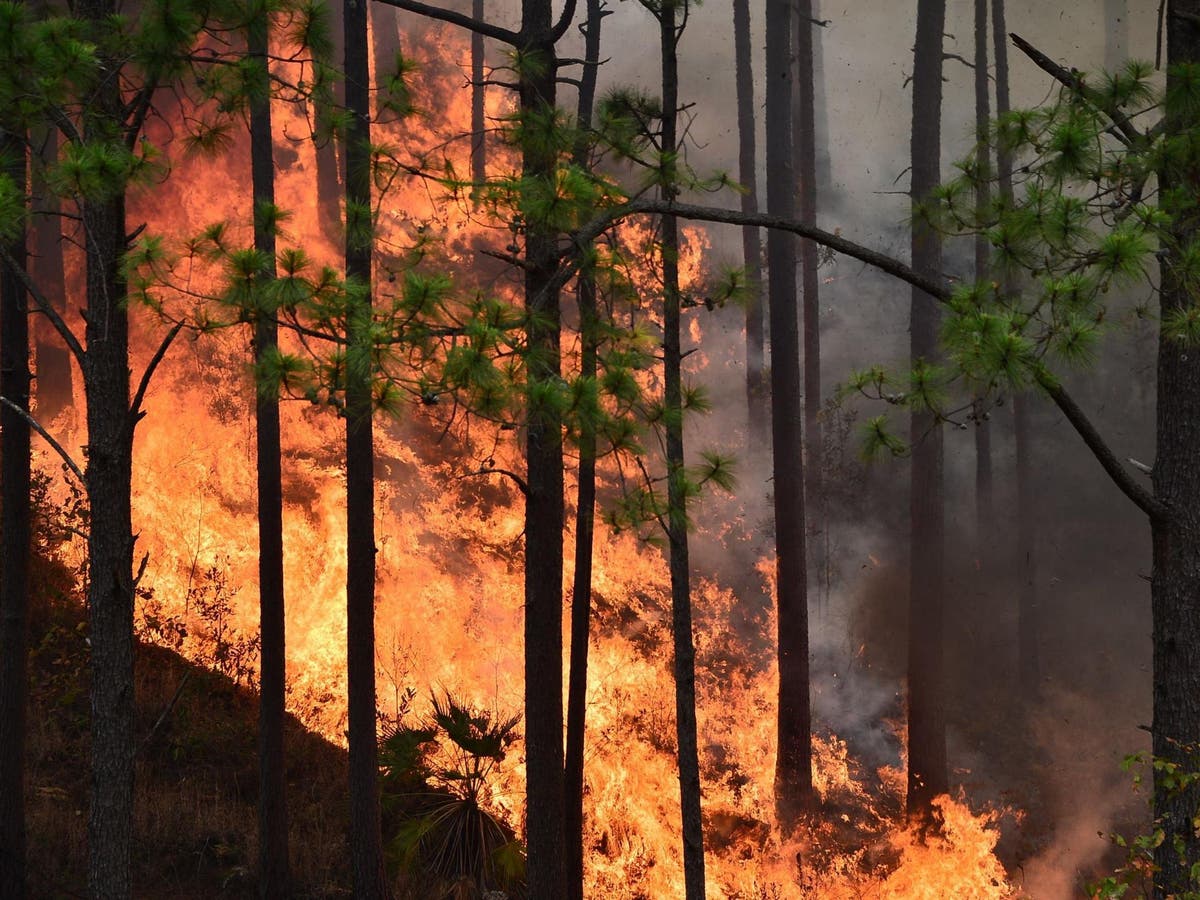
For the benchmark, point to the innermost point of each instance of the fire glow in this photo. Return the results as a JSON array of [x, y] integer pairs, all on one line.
[[449, 610]]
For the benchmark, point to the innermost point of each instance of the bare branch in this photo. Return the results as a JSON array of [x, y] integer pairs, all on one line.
[[135, 409], [445, 15], [1072, 79], [1124, 480], [47, 437], [45, 307]]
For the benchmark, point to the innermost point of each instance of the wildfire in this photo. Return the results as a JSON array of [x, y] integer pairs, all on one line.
[[449, 609]]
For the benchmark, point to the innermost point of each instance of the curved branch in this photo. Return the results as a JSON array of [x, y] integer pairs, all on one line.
[[47, 437], [445, 15], [135, 409], [45, 307], [1121, 476], [564, 21], [936, 288]]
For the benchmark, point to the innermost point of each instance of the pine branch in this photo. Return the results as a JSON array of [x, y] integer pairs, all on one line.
[[49, 438], [1122, 477], [445, 15], [1072, 79]]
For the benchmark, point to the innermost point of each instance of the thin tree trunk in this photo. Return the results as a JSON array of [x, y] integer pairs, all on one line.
[[927, 771], [366, 845], [984, 513], [677, 519], [793, 765], [1028, 629], [478, 95], [804, 132], [585, 515], [544, 517], [53, 385], [15, 546], [751, 246], [329, 168], [272, 799]]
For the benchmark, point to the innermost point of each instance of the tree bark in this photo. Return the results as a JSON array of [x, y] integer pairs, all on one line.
[[15, 546], [984, 511], [366, 845], [329, 168], [52, 388], [1175, 598], [927, 771], [478, 95], [272, 797], [677, 518], [804, 130], [793, 765], [1028, 656], [544, 517], [585, 507], [751, 246]]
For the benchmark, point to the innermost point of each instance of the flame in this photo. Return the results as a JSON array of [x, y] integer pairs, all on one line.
[[449, 591]]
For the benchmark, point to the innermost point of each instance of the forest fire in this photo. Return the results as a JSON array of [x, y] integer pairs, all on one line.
[[451, 490]]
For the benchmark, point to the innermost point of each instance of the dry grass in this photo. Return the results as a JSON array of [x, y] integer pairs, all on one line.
[[195, 828]]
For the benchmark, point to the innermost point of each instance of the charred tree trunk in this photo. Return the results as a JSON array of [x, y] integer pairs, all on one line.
[[585, 515], [984, 514], [677, 518], [52, 387], [793, 766], [478, 95], [366, 845], [15, 545], [927, 772], [804, 130], [544, 517], [272, 799], [1176, 539], [756, 390], [1028, 656], [329, 168]]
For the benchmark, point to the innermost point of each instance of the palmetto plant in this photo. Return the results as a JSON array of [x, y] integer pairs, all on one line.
[[435, 784]]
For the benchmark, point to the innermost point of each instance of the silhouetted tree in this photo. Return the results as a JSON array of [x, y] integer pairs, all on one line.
[[272, 799], [804, 130], [751, 245], [984, 515], [585, 507], [927, 772], [793, 765], [15, 528], [366, 843]]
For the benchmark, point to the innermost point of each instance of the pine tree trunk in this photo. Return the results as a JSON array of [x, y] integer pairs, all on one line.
[[1028, 629], [544, 517], [1175, 596], [793, 766], [756, 390], [478, 95], [272, 799], [927, 771], [804, 129], [366, 845], [677, 519], [15, 547], [585, 515], [53, 385], [984, 512], [329, 168]]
